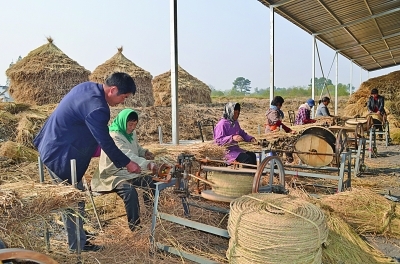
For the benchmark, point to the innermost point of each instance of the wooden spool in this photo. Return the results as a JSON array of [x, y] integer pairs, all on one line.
[[228, 183], [353, 122], [316, 146]]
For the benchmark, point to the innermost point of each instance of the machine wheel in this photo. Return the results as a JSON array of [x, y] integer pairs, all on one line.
[[340, 146], [260, 170], [24, 254]]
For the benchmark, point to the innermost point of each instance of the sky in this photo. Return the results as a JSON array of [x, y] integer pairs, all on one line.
[[218, 40]]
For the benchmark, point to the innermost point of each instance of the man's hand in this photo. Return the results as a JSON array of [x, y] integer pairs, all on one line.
[[148, 155], [293, 132], [237, 138], [153, 167], [254, 141], [133, 167]]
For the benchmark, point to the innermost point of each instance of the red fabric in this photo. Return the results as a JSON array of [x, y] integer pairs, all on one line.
[[97, 152]]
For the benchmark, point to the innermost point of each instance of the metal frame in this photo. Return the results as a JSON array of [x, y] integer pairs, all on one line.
[[345, 161], [182, 221], [372, 138], [360, 156]]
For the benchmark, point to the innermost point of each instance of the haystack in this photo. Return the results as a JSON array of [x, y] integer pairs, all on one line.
[[44, 76], [190, 89], [389, 86], [119, 63]]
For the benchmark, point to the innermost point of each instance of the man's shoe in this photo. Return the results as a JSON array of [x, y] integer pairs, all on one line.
[[88, 247], [91, 247]]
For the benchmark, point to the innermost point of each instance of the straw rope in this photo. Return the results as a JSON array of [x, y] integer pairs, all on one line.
[[231, 185], [294, 230]]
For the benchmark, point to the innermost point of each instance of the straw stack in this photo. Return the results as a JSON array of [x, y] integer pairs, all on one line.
[[142, 78], [44, 76], [388, 86], [190, 89]]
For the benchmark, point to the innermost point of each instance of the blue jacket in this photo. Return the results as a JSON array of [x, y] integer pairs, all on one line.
[[75, 129]]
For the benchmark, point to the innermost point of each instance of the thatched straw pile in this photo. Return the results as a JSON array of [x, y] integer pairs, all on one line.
[[190, 89], [45, 75], [18, 152], [388, 86], [119, 63], [366, 211], [25, 206]]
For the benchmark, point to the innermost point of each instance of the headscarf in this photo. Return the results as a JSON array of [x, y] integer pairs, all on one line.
[[275, 108], [229, 111], [119, 123]]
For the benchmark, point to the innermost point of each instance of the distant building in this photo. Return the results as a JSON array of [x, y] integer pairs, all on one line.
[[4, 95]]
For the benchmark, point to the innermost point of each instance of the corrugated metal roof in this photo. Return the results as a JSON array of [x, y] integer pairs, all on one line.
[[365, 31]]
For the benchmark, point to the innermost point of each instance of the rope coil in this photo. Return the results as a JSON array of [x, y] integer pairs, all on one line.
[[275, 228]]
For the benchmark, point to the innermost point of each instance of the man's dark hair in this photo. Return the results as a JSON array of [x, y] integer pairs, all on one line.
[[133, 116], [277, 100], [324, 99], [237, 107], [123, 81], [374, 91]]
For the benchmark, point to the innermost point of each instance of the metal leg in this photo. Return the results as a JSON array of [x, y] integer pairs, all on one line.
[[370, 143], [93, 204], [186, 209], [46, 227], [344, 157], [358, 155]]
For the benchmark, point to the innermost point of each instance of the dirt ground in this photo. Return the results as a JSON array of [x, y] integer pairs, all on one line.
[[383, 169], [123, 246]]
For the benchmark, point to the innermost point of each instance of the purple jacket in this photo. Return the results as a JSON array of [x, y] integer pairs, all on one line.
[[223, 133]]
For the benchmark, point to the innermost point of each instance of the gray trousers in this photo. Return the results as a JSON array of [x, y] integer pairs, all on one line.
[[69, 218], [127, 191]]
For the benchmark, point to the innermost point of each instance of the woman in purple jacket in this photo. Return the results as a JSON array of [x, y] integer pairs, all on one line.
[[228, 133]]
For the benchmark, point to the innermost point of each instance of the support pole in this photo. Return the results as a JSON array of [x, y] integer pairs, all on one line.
[[74, 182], [174, 72], [271, 55], [160, 136], [313, 74], [351, 77], [336, 86]]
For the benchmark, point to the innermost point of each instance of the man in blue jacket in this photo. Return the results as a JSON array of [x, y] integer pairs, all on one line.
[[74, 130]]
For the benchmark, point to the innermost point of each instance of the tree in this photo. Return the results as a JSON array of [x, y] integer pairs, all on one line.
[[320, 83], [242, 85]]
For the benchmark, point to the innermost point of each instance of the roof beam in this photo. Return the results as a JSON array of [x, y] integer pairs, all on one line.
[[357, 21], [281, 3], [366, 65], [377, 26], [340, 23], [370, 41], [377, 53]]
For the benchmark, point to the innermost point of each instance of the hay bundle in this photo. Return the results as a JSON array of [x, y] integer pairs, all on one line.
[[366, 211], [44, 76], [8, 126], [190, 89], [294, 230], [18, 152], [24, 206], [28, 126], [344, 245], [388, 85], [119, 63]]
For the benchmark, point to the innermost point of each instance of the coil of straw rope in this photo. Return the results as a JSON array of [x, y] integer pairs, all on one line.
[[275, 228]]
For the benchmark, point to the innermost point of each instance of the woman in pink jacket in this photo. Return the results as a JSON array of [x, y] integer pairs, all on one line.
[[228, 133]]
